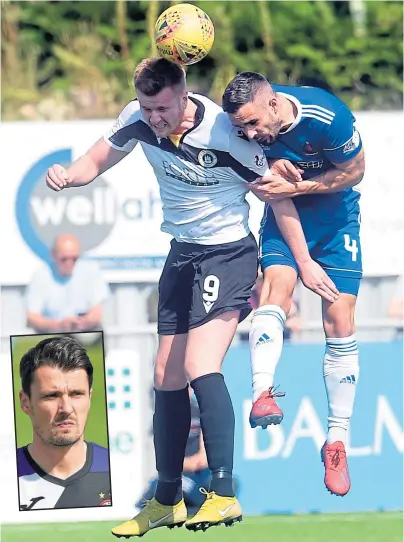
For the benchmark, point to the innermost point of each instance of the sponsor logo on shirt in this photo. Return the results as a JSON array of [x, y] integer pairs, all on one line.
[[318, 164], [189, 175], [352, 144]]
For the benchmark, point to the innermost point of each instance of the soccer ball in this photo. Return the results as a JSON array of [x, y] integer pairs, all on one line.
[[184, 34]]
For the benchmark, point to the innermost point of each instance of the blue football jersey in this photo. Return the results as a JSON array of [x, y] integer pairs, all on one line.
[[323, 134]]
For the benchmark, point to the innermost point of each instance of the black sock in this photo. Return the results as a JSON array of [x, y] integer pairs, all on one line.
[[217, 422], [171, 425]]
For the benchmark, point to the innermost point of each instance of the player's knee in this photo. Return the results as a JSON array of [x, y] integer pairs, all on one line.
[[195, 369], [339, 317], [278, 286], [282, 301], [278, 291], [339, 325], [339, 328], [168, 377]]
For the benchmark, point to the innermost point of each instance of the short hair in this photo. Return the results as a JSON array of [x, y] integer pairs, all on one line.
[[152, 75], [65, 353], [241, 90]]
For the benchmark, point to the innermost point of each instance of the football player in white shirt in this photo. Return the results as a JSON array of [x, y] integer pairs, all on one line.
[[204, 166]]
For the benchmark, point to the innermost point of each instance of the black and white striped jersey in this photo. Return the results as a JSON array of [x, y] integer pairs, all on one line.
[[88, 487], [203, 175]]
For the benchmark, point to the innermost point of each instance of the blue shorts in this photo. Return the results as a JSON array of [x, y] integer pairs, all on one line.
[[332, 238]]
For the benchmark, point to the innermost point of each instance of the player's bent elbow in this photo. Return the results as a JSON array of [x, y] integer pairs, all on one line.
[[360, 168], [359, 177]]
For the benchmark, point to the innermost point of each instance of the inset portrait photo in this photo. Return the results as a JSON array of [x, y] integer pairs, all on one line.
[[61, 426]]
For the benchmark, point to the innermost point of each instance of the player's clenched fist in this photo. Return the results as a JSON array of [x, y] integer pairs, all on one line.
[[57, 177]]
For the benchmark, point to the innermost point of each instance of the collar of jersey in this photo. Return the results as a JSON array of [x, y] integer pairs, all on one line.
[[299, 111], [59, 481], [199, 114]]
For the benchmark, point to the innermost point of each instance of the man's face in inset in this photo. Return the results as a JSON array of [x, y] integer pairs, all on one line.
[[59, 405]]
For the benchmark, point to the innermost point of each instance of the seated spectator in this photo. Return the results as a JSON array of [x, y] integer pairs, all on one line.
[[68, 294]]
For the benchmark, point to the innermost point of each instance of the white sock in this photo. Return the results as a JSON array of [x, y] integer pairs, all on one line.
[[266, 341], [341, 373]]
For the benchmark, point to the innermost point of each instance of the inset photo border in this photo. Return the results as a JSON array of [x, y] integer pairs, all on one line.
[[61, 422]]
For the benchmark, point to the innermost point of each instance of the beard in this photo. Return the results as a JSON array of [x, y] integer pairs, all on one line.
[[60, 440]]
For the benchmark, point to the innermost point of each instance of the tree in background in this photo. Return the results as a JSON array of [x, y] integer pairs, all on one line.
[[66, 60]]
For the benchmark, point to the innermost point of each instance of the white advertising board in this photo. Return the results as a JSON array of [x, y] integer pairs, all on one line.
[[117, 218]]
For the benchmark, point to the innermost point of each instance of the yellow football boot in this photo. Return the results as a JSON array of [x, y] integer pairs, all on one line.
[[153, 515], [215, 511]]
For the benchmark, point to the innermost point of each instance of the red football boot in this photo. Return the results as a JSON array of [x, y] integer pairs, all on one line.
[[265, 411], [336, 476]]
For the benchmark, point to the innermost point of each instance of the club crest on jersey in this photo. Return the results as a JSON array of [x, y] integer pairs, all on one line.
[[207, 158], [259, 161], [308, 149], [105, 500], [352, 144]]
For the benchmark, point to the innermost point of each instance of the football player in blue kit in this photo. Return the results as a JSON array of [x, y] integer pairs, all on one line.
[[310, 139], [204, 167]]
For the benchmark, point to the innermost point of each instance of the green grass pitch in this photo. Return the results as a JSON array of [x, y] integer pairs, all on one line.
[[372, 527]]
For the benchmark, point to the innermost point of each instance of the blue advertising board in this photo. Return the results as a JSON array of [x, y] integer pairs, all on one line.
[[279, 468]]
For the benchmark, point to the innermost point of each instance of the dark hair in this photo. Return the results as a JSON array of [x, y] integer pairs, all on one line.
[[152, 75], [241, 90], [64, 353]]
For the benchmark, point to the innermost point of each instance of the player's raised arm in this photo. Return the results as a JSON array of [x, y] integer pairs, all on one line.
[[99, 158], [342, 145], [104, 154], [288, 221], [343, 175]]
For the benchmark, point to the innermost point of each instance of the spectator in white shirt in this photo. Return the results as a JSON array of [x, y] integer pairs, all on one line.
[[68, 295]]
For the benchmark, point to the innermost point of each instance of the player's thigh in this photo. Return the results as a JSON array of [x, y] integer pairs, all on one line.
[[273, 248], [175, 298], [277, 263], [338, 251], [207, 344], [175, 292], [169, 369], [339, 316], [224, 278]]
